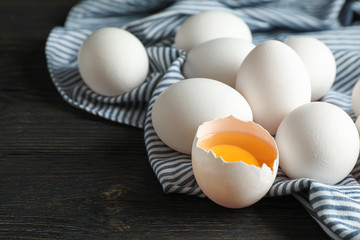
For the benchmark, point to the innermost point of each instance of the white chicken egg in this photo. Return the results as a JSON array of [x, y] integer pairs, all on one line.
[[355, 98], [357, 123], [319, 61], [318, 140], [112, 61], [182, 107], [217, 59], [209, 25], [274, 81], [234, 162]]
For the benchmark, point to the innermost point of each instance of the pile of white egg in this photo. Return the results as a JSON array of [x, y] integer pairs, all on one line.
[[242, 110]]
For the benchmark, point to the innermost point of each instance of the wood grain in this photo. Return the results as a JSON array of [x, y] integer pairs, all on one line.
[[66, 174]]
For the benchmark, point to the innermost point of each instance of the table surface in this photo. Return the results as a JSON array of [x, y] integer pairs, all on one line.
[[66, 174]]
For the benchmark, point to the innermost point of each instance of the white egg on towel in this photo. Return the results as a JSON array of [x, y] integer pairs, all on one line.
[[318, 140], [209, 25], [319, 61], [274, 81], [217, 59], [355, 98], [182, 107], [112, 61]]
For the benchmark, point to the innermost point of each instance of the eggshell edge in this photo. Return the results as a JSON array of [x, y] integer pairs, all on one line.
[[235, 184]]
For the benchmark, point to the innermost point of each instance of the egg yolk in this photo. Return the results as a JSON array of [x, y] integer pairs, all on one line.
[[238, 146], [232, 153]]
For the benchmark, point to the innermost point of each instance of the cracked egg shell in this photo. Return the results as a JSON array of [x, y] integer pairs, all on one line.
[[238, 177]]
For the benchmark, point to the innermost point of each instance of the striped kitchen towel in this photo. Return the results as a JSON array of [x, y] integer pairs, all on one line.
[[154, 22]]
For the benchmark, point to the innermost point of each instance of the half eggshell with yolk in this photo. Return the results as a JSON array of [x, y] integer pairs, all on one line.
[[234, 162]]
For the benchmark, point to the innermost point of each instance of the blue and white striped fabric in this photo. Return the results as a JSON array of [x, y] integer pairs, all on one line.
[[335, 208]]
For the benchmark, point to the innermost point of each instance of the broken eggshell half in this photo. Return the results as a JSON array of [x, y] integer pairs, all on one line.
[[234, 183]]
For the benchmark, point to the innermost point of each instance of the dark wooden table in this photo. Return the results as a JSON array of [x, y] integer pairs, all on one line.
[[66, 174]]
